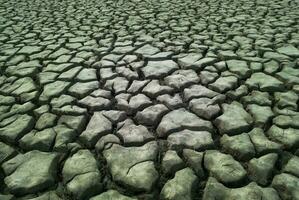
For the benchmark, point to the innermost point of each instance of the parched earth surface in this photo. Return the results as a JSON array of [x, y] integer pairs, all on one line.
[[148, 100]]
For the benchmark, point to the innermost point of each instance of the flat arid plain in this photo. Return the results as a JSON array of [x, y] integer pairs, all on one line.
[[149, 100]]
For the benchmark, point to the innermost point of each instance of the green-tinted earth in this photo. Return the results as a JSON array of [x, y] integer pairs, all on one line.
[[149, 99]]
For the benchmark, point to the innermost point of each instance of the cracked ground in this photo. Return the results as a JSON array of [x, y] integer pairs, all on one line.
[[148, 100]]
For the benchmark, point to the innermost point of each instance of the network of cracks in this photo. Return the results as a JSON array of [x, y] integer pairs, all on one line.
[[155, 99]]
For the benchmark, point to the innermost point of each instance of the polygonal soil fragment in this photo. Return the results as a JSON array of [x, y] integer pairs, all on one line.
[[31, 172], [179, 119], [239, 146], [110, 195], [215, 190], [16, 127], [261, 114], [288, 137], [38, 140], [261, 169], [224, 84], [194, 160], [239, 67], [133, 167], [82, 89], [151, 115], [261, 143], [6, 152], [205, 107], [171, 162], [223, 167], [264, 82], [292, 166], [181, 186], [234, 119], [98, 126], [191, 139], [132, 134], [81, 175], [286, 185], [289, 50], [181, 78], [196, 91], [159, 69]]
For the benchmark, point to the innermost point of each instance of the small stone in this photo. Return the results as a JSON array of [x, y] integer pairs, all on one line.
[[287, 100], [30, 50], [271, 67], [200, 64]]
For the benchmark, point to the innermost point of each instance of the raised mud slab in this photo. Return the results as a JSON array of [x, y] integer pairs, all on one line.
[[148, 100]]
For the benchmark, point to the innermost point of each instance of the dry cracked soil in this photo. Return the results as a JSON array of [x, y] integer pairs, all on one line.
[[149, 100]]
